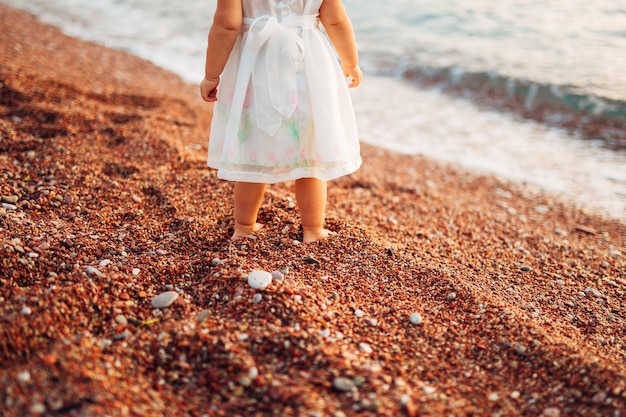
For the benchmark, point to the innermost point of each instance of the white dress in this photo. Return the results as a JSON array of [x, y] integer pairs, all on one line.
[[283, 109]]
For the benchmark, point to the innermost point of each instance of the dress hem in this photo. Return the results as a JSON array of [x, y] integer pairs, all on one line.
[[291, 175]]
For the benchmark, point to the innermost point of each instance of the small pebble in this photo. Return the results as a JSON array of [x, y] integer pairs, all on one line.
[[23, 377], [429, 390], [9, 206], [259, 279], [136, 271], [365, 347], [105, 262], [26, 311], [493, 396], [216, 261], [371, 321], [165, 299], [415, 318], [94, 272], [359, 380], [278, 277], [38, 408], [311, 260], [519, 350], [10, 199], [257, 298], [344, 385], [359, 313], [526, 268], [515, 395], [551, 412], [599, 398], [121, 319], [451, 296], [202, 316], [592, 292]]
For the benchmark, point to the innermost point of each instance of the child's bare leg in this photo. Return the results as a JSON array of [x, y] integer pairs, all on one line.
[[311, 196], [248, 197]]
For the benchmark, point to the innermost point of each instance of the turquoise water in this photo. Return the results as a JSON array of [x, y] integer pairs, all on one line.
[[425, 64], [565, 57], [573, 44]]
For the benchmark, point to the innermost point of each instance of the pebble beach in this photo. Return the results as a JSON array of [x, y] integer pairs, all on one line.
[[442, 293]]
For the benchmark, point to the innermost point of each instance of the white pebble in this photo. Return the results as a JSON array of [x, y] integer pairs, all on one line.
[[136, 271], [253, 372], [359, 313], [165, 299], [278, 277], [91, 271], [26, 311], [121, 319], [23, 377], [105, 262], [259, 279], [493, 396], [344, 385], [451, 296], [365, 347], [429, 390], [257, 298], [415, 318], [551, 412]]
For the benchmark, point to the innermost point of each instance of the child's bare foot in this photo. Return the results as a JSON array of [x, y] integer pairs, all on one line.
[[314, 235], [242, 230]]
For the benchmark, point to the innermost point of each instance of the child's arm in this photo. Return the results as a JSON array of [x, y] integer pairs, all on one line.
[[222, 37], [338, 26]]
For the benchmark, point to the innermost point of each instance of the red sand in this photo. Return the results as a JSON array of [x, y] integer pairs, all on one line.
[[108, 203]]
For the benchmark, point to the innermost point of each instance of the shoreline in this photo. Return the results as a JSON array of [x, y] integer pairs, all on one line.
[[107, 203]]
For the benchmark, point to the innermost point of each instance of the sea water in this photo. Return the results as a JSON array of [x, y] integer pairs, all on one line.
[[568, 52]]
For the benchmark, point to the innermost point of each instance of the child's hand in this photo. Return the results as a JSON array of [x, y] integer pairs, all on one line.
[[208, 89], [354, 73]]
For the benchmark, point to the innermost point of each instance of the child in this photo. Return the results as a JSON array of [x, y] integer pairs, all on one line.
[[284, 112]]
